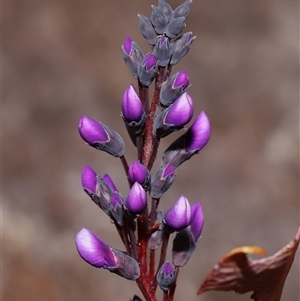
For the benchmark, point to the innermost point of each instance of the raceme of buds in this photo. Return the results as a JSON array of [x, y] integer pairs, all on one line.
[[166, 276], [162, 181], [147, 69], [185, 240], [101, 137], [136, 201], [147, 120], [98, 254], [132, 112], [175, 117], [132, 56], [137, 172], [179, 216], [174, 87], [189, 143]]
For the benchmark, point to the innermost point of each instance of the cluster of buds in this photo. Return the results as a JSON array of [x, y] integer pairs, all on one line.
[[143, 228]]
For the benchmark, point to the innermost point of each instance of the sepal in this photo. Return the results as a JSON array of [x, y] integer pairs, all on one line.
[[162, 181]]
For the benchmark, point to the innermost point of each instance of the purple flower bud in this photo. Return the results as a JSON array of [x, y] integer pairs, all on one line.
[[179, 216], [175, 117], [127, 45], [173, 88], [139, 173], [198, 134], [162, 51], [149, 61], [166, 276], [132, 56], [185, 240], [189, 143], [197, 221], [89, 180], [175, 27], [107, 179], [101, 137], [93, 250], [181, 80], [181, 47], [180, 112], [132, 108], [158, 20], [147, 30], [99, 254], [162, 181], [182, 10], [166, 9], [147, 69], [136, 201], [92, 131]]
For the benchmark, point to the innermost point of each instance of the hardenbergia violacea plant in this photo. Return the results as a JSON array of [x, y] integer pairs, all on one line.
[[142, 226]]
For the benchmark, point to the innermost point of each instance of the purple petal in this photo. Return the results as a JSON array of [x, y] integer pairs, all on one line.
[[89, 179], [127, 45], [137, 172], [107, 179], [181, 111], [181, 80], [197, 221], [132, 108], [91, 130], [179, 216], [137, 199], [198, 134], [93, 250]]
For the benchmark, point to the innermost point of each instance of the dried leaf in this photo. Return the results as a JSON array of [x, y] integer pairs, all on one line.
[[264, 277]]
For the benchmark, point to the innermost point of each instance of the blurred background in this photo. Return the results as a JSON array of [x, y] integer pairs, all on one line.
[[63, 59]]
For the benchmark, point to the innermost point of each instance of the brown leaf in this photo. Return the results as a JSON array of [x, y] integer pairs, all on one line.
[[264, 277]]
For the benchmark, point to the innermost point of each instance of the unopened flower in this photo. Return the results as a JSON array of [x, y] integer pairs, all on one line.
[[182, 10], [166, 276], [162, 181], [147, 69], [179, 216], [186, 239], [175, 27], [147, 30], [136, 201], [138, 172], [158, 20], [175, 117], [189, 143], [98, 254], [89, 180], [181, 47], [173, 88], [162, 51], [166, 9], [107, 179], [132, 56], [101, 137]]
